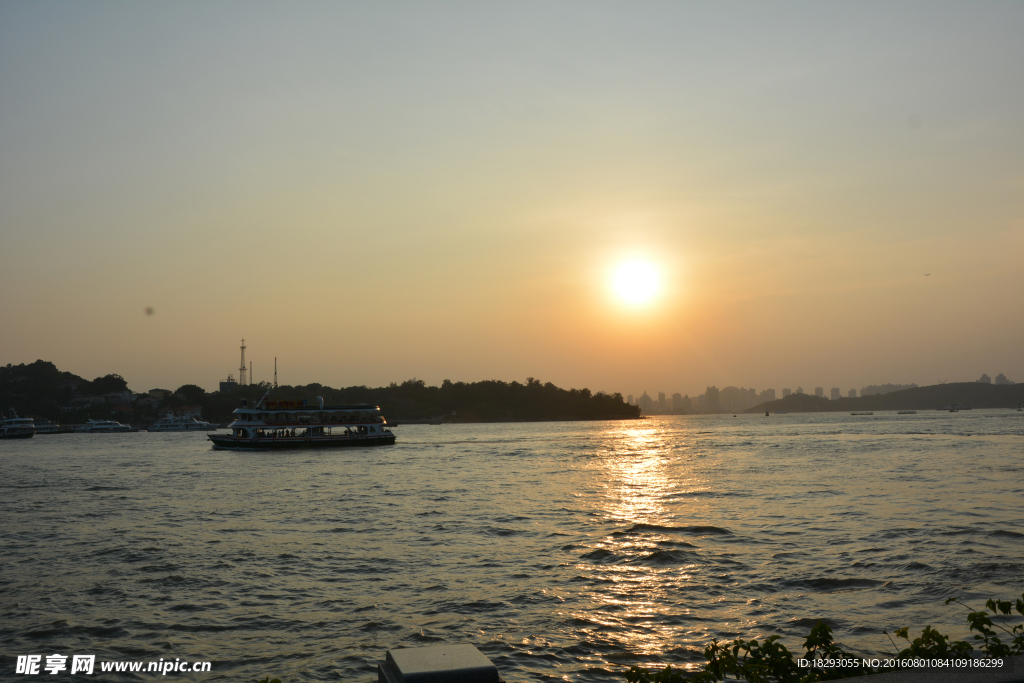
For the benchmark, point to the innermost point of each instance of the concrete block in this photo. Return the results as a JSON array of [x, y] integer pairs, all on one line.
[[437, 664]]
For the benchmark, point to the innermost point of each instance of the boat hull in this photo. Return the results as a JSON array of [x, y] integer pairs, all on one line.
[[295, 442], [18, 435]]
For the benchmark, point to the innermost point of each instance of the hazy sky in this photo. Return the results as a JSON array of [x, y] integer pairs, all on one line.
[[377, 191]]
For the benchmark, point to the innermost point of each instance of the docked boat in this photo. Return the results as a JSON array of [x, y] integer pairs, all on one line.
[[44, 426], [15, 427], [294, 424], [103, 427], [173, 423]]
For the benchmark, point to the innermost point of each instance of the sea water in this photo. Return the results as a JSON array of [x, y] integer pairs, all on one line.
[[565, 551]]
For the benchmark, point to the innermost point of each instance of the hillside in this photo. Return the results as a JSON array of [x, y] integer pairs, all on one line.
[[969, 394]]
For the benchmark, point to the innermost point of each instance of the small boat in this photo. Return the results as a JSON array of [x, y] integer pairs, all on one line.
[[103, 427], [15, 427], [278, 425], [173, 423], [907, 412], [954, 407], [861, 413]]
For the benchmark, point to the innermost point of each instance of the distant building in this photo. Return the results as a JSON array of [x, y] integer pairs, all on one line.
[[712, 398], [677, 403], [767, 395], [122, 411], [1001, 379], [686, 404], [702, 403], [799, 390], [875, 389], [662, 403], [227, 385], [819, 392], [646, 403], [852, 393], [734, 399], [786, 392], [185, 411], [629, 399], [836, 394], [985, 379]]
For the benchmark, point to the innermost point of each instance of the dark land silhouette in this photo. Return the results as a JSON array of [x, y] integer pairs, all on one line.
[[41, 389], [968, 394]]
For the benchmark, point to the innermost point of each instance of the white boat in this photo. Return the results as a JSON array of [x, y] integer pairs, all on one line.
[[294, 424], [15, 427], [173, 423], [44, 426], [103, 427]]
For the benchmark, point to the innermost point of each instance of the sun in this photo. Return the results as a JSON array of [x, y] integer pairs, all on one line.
[[636, 282]]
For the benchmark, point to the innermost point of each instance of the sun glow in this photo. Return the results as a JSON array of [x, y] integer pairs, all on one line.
[[636, 282]]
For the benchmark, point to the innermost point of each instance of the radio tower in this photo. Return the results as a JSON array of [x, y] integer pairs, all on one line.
[[275, 372], [241, 369]]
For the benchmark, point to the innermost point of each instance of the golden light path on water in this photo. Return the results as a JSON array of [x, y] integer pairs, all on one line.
[[636, 486]]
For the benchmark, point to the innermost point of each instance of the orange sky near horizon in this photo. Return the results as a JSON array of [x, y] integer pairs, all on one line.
[[445, 191]]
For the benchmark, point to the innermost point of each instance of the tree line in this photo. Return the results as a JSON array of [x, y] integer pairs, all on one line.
[[40, 388]]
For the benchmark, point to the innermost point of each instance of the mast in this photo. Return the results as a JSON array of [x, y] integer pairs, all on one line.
[[275, 372]]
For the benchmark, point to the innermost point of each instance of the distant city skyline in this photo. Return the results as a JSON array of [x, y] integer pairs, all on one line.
[[731, 398]]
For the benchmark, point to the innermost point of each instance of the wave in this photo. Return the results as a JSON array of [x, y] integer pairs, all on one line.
[[664, 558], [829, 585], [658, 528]]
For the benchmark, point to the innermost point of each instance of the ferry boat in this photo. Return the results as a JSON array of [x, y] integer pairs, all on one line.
[[15, 427], [294, 424], [103, 427], [173, 423]]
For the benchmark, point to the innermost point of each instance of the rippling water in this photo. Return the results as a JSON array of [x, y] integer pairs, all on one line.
[[563, 551]]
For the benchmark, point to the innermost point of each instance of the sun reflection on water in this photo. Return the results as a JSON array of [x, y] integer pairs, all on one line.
[[640, 573]]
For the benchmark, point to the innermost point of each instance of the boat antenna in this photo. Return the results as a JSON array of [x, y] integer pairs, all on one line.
[[261, 400]]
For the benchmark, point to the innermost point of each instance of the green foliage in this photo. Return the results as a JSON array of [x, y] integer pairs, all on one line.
[[488, 401], [108, 384], [666, 675], [191, 392], [769, 661], [980, 621], [931, 643]]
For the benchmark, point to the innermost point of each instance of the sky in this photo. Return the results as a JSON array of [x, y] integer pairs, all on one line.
[[823, 194]]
